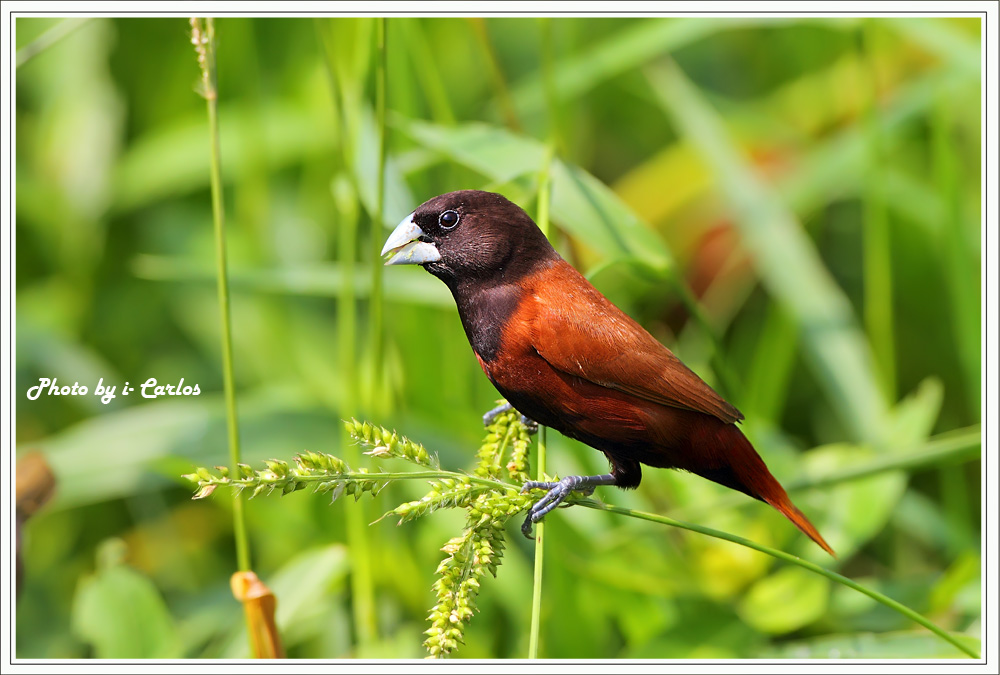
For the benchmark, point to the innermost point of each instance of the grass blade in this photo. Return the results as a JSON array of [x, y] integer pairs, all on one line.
[[630, 47], [203, 36], [876, 240], [544, 192], [795, 560]]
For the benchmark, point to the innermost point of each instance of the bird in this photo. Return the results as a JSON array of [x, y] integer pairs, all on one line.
[[566, 357]]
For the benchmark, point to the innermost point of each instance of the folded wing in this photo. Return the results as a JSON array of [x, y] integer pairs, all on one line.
[[590, 338]]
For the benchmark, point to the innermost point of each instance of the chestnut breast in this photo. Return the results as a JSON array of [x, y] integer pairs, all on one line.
[[568, 403]]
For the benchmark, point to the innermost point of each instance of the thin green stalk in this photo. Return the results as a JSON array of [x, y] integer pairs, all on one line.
[[345, 90], [961, 274], [376, 305], [389, 476], [772, 364], [496, 72], [787, 557], [536, 588], [876, 241], [347, 240], [203, 36], [544, 199], [962, 271], [555, 130], [362, 593], [728, 379], [426, 71]]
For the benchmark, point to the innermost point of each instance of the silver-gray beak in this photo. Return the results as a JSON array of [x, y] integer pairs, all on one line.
[[405, 243]]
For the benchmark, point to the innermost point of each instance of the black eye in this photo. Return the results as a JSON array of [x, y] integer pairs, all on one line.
[[448, 220]]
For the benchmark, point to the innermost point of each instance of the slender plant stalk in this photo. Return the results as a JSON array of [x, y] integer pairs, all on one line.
[[346, 100], [544, 195], [203, 37], [544, 202], [536, 588], [376, 305], [362, 582], [787, 557], [425, 70], [362, 587], [728, 379], [878, 314], [504, 98], [961, 272]]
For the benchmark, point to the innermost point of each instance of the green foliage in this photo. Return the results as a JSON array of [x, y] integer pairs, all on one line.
[[781, 603], [712, 176], [488, 502], [121, 613]]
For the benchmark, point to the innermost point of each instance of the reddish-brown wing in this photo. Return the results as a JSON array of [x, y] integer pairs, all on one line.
[[580, 332]]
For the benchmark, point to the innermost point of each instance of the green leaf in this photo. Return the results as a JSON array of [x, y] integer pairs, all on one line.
[[850, 513], [785, 601], [914, 417], [581, 204], [960, 585], [492, 151], [298, 582], [110, 455], [146, 446], [591, 211], [121, 613]]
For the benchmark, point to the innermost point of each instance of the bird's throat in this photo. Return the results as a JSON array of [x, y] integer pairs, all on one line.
[[485, 311]]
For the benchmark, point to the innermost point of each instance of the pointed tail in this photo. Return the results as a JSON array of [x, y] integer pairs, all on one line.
[[732, 461], [779, 500]]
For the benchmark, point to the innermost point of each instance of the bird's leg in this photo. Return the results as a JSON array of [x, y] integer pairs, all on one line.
[[506, 407], [557, 492], [496, 412]]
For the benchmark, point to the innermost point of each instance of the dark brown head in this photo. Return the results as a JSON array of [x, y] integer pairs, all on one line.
[[469, 235]]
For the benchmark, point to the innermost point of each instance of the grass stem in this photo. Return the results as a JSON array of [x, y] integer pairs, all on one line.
[[337, 36], [203, 36], [377, 337], [788, 557], [544, 200], [876, 234]]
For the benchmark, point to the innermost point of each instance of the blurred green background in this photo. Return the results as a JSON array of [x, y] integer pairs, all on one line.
[[813, 184]]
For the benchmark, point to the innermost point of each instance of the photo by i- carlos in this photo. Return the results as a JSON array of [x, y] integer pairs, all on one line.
[[148, 389]]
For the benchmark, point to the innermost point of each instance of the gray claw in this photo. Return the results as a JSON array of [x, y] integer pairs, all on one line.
[[493, 414], [557, 492], [531, 424], [506, 407]]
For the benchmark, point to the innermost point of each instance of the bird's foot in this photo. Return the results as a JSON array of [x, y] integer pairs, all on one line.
[[488, 418], [557, 492], [530, 424]]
